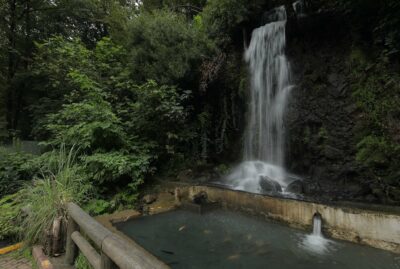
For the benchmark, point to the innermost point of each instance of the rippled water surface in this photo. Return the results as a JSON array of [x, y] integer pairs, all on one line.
[[222, 239]]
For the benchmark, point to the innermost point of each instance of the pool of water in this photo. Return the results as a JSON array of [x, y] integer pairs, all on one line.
[[223, 239]]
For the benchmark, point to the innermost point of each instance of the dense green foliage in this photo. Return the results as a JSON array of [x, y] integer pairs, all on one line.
[[10, 206], [15, 168], [163, 46]]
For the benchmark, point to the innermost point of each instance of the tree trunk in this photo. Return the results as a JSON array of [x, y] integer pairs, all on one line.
[[11, 96]]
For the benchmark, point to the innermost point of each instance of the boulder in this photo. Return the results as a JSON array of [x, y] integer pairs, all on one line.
[[149, 198], [185, 175], [296, 186], [269, 185], [200, 198]]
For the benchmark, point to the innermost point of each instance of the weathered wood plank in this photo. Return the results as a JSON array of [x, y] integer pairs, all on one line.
[[87, 250], [121, 252], [93, 229], [71, 248], [106, 262], [129, 255]]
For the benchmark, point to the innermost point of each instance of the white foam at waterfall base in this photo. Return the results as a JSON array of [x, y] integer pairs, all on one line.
[[247, 175]]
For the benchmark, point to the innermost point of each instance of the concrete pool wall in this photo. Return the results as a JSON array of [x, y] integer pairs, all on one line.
[[373, 228], [363, 226]]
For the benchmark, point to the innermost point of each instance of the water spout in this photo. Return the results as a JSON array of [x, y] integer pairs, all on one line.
[[316, 242], [317, 224]]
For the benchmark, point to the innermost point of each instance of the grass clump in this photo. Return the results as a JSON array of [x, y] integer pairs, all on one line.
[[61, 182]]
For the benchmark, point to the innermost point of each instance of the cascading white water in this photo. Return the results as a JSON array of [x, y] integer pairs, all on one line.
[[264, 151], [270, 87]]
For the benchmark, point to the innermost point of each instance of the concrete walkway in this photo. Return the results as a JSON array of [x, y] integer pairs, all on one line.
[[10, 261]]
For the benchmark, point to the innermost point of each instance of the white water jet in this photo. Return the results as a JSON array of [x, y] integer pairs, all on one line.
[[317, 225], [316, 242], [264, 151]]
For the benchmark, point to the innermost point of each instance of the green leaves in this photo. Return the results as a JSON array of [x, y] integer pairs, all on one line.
[[10, 207], [376, 151], [163, 47], [157, 109], [110, 167], [15, 169], [221, 16]]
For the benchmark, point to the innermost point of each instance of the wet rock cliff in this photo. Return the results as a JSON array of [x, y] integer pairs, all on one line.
[[326, 119]]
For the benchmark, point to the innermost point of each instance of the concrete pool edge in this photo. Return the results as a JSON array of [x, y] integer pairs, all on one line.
[[362, 226]]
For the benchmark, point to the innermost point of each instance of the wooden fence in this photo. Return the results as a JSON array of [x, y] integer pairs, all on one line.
[[109, 250]]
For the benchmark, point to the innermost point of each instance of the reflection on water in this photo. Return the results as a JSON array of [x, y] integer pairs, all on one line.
[[223, 239]]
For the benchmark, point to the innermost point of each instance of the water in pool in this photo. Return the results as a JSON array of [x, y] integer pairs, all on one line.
[[223, 239]]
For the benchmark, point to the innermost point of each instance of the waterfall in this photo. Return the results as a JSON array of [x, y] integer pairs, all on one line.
[[264, 151], [269, 69]]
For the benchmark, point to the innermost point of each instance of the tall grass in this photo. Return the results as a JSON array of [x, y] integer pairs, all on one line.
[[61, 182], [82, 263]]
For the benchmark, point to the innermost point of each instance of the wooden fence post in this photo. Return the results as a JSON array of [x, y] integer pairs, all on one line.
[[71, 250], [106, 262]]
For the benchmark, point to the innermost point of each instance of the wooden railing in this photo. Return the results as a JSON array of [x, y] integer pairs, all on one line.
[[113, 250]]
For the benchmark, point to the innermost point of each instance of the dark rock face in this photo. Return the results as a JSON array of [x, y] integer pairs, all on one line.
[[269, 185], [296, 186], [311, 187], [322, 114]]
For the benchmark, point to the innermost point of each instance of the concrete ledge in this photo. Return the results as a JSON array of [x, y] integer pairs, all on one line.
[[373, 228]]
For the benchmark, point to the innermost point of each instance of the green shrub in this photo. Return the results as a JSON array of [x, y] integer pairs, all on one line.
[[15, 169], [158, 116], [10, 208], [98, 207], [111, 167], [376, 151]]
